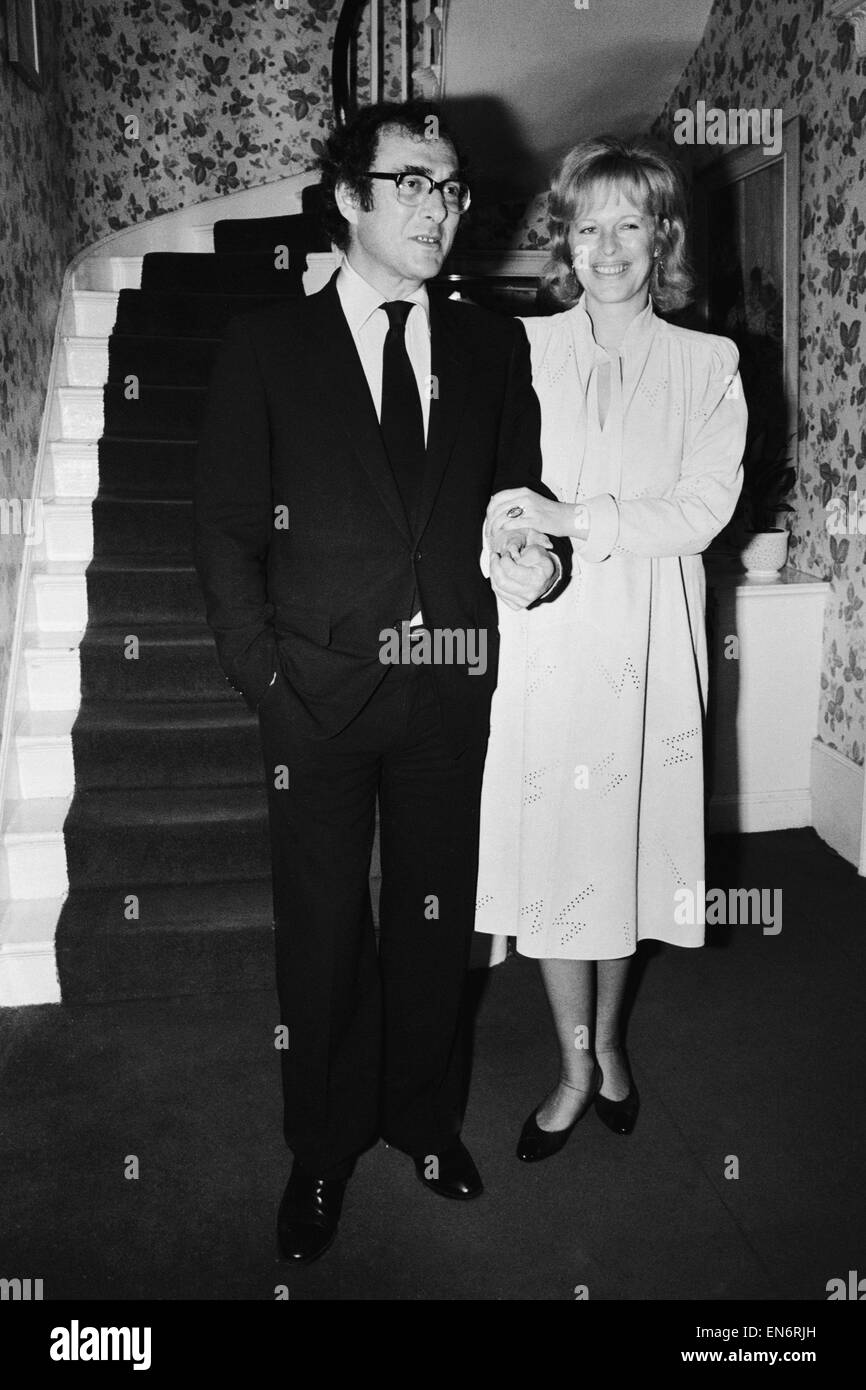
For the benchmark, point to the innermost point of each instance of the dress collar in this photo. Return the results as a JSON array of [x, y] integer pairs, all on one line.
[[639, 331]]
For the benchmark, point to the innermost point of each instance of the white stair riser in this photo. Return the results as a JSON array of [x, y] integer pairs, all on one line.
[[79, 413], [85, 361], [68, 532], [36, 867], [28, 977], [91, 314], [52, 680], [75, 469], [57, 603], [109, 273], [45, 767]]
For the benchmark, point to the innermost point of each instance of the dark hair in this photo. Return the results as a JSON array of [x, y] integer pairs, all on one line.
[[350, 151], [653, 181]]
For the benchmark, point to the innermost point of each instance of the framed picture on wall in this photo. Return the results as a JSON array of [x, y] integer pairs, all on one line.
[[747, 249], [22, 30]]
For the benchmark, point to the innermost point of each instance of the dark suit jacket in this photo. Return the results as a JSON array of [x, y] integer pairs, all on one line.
[[290, 424]]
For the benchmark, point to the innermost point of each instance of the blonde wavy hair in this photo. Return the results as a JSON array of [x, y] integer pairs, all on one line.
[[652, 181]]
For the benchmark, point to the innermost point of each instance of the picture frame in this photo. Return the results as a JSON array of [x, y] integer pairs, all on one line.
[[23, 40], [747, 254]]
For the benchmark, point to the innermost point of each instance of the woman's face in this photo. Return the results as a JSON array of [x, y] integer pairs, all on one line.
[[612, 244]]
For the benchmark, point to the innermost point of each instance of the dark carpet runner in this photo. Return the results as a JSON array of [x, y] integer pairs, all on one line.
[[166, 836]]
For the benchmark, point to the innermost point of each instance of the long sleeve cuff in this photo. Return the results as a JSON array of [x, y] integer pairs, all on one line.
[[603, 529]]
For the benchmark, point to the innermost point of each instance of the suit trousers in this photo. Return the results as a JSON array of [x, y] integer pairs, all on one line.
[[373, 1036]]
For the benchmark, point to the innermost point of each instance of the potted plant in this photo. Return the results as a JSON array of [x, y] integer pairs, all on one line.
[[768, 479]]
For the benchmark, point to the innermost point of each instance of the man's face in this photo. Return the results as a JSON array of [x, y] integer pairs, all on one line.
[[396, 247]]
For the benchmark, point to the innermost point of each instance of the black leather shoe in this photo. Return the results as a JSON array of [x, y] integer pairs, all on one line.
[[308, 1215], [619, 1115], [452, 1175], [535, 1143]]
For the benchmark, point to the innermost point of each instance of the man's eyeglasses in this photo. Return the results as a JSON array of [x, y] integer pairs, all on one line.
[[412, 189]]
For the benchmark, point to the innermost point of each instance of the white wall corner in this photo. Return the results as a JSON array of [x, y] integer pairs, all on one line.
[[838, 787]]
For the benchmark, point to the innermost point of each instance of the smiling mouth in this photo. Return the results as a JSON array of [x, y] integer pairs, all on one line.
[[428, 240], [619, 269]]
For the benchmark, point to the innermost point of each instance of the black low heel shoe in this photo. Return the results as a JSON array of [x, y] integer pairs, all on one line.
[[535, 1144], [620, 1116]]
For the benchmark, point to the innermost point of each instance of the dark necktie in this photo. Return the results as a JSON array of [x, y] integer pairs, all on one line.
[[402, 418]]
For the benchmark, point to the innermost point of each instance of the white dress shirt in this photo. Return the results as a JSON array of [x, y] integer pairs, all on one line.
[[368, 324]]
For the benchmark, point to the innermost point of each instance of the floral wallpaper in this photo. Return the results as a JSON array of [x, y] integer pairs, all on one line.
[[226, 95], [35, 247], [794, 56]]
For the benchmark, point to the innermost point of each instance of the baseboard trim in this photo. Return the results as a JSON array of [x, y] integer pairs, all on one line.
[[749, 815], [838, 787]]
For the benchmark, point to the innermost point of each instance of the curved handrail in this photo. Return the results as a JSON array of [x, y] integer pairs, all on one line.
[[341, 91]]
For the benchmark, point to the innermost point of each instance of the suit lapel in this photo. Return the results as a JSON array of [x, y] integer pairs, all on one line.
[[451, 369], [346, 394]]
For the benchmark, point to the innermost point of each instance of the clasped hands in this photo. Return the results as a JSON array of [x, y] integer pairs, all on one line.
[[521, 566]]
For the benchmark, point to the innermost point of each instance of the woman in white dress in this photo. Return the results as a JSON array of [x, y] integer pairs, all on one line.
[[592, 811]]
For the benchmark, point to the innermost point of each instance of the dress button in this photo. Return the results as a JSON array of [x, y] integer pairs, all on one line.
[[417, 555]]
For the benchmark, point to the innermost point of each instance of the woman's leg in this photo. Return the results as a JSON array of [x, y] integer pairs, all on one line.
[[570, 987], [612, 978]]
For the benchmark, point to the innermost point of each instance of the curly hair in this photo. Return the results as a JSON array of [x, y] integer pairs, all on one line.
[[653, 181], [350, 151]]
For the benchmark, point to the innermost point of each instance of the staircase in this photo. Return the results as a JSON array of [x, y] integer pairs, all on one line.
[[133, 848]]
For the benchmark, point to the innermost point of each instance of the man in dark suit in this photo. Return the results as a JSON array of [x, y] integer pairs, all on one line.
[[351, 443]]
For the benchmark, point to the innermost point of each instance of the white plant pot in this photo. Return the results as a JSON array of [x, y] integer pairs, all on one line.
[[765, 553]]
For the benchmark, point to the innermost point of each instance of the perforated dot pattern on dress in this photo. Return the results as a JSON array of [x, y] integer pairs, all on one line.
[[481, 903], [566, 917], [554, 370], [678, 747], [653, 392], [537, 673], [536, 912], [615, 781], [532, 790], [628, 673]]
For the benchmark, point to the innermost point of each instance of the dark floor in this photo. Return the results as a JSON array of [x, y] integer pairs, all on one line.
[[752, 1048]]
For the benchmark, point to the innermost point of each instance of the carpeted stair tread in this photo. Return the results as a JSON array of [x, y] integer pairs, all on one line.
[[202, 938], [299, 231], [186, 315], [147, 467], [156, 412], [168, 806], [154, 634], [163, 360], [156, 527], [139, 564], [166, 835], [175, 661], [256, 271], [194, 743], [157, 590], [178, 714], [218, 906]]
